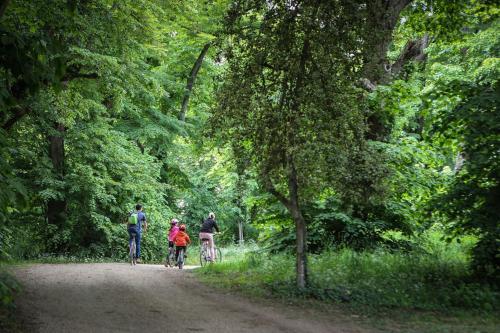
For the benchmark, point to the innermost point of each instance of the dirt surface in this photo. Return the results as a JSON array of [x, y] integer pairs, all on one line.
[[150, 298]]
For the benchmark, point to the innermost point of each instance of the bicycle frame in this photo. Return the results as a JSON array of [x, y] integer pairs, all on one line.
[[205, 256]]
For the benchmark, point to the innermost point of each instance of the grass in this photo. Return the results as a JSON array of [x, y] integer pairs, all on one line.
[[426, 290]]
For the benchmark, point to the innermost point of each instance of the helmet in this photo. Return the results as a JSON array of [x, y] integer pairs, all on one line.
[[211, 216], [182, 227], [174, 221]]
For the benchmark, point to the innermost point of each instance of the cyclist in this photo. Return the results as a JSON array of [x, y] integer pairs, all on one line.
[[207, 231], [174, 229], [181, 241], [136, 229]]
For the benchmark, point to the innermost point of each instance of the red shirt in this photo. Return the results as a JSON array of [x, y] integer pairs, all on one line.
[[181, 239]]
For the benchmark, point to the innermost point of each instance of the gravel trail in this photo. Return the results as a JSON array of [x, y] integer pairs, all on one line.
[[151, 298]]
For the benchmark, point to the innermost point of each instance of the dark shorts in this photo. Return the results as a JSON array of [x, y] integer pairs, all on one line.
[[178, 249]]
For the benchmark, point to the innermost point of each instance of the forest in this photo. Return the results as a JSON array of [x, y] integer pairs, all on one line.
[[350, 149]]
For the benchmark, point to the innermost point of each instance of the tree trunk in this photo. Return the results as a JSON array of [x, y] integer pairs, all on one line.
[[300, 227], [191, 80], [240, 188], [382, 17], [56, 208], [292, 205], [3, 6], [241, 240]]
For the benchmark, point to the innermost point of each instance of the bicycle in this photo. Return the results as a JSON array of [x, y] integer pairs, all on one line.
[[132, 251], [205, 253], [170, 257], [180, 258]]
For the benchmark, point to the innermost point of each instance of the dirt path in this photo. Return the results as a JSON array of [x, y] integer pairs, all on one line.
[[149, 298]]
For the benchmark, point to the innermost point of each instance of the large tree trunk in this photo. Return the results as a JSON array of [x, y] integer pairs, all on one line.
[[382, 17], [56, 208], [191, 80]]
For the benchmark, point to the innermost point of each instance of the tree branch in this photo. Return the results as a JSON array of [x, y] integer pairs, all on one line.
[[413, 50], [268, 184], [73, 73], [368, 85], [18, 115], [191, 80], [22, 111]]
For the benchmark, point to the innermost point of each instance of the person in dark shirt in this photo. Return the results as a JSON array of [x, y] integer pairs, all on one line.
[[136, 229], [207, 232]]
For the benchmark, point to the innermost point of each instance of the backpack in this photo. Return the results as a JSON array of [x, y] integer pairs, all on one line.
[[133, 218]]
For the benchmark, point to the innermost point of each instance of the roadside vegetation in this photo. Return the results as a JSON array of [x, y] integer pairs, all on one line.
[[429, 288], [9, 288]]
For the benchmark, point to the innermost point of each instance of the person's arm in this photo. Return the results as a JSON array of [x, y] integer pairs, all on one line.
[[188, 239], [216, 226]]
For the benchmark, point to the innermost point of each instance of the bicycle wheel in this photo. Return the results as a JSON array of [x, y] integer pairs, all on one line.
[[180, 259], [204, 255], [219, 255], [132, 252], [171, 257]]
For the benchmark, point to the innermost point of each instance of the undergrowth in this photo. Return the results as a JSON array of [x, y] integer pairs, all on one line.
[[9, 287], [433, 277]]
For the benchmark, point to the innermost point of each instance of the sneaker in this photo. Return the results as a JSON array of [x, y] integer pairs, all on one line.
[[166, 264], [138, 260]]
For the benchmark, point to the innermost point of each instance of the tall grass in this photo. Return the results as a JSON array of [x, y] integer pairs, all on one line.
[[434, 276]]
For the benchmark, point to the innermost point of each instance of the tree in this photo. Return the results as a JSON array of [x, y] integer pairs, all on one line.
[[288, 98]]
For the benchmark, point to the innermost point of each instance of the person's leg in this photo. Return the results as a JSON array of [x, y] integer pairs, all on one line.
[[211, 245], [131, 233], [170, 249], [210, 238], [177, 253], [179, 248], [138, 244]]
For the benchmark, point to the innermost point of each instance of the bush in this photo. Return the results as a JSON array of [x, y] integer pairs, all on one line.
[[8, 289]]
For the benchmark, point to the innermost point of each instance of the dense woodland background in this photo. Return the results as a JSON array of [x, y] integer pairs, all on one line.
[[338, 128]]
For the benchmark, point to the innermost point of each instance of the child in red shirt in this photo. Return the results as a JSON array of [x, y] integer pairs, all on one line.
[[181, 241]]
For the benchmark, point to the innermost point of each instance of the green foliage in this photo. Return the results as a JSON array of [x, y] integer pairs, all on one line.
[[465, 116], [432, 277], [287, 97], [9, 287], [109, 74]]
